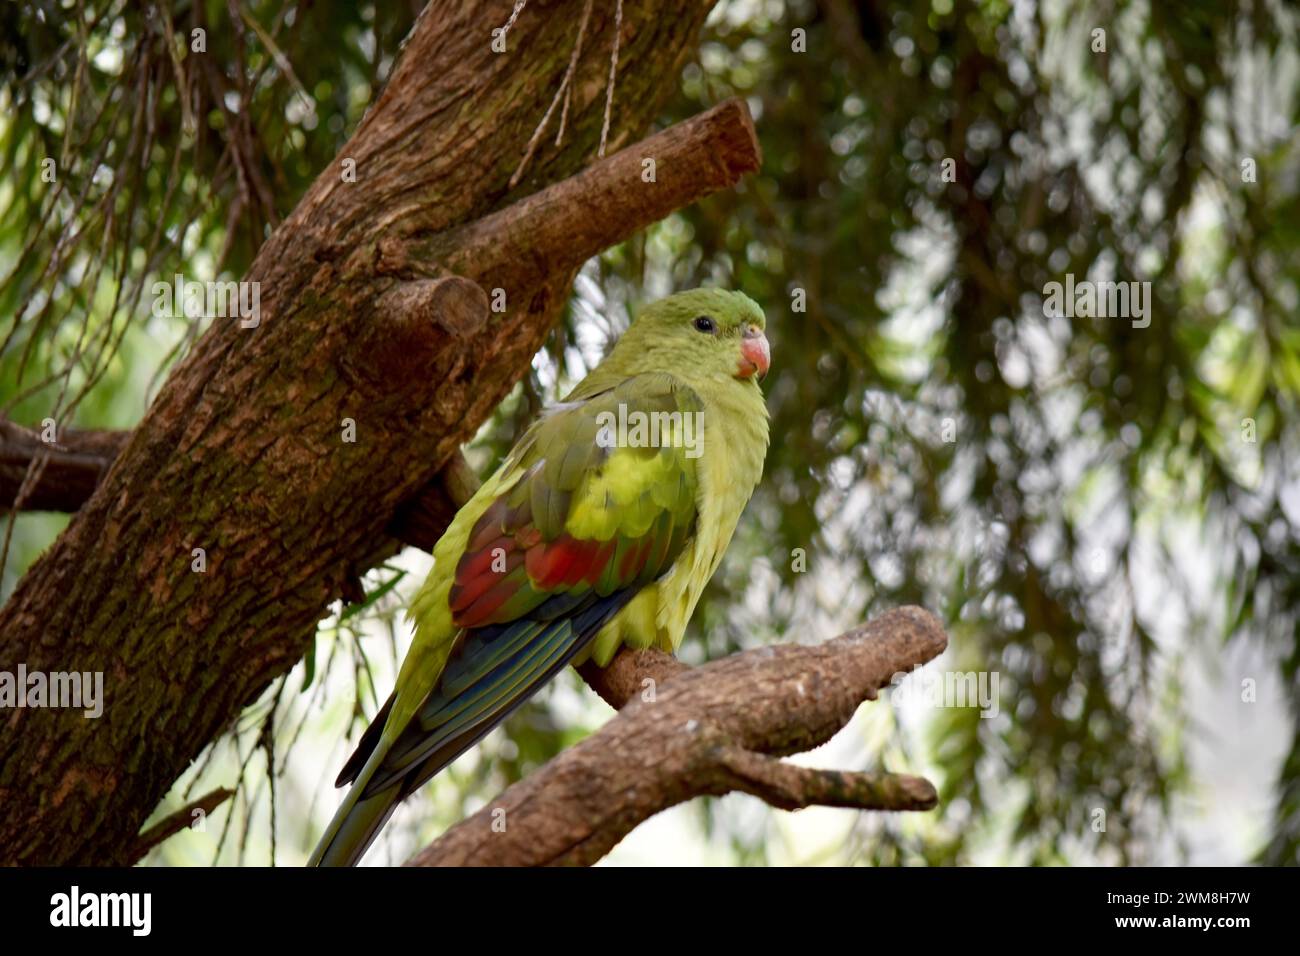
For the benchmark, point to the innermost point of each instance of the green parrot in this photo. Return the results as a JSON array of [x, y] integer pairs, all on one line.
[[601, 528]]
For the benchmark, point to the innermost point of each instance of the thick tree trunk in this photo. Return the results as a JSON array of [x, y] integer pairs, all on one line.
[[242, 454]]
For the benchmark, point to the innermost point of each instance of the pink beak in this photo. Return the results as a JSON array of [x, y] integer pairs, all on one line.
[[756, 354]]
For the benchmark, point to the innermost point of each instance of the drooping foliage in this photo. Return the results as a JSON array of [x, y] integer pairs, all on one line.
[[1095, 506]]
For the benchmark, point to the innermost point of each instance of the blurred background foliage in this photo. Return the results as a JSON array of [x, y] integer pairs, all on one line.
[[1107, 517]]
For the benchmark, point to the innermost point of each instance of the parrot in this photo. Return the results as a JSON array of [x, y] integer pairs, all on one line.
[[590, 536]]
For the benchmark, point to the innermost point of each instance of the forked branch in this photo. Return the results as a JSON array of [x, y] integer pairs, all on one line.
[[686, 732]]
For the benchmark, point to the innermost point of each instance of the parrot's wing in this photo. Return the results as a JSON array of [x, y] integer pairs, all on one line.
[[598, 511]]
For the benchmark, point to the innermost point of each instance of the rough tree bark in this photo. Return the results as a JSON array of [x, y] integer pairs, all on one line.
[[241, 453]]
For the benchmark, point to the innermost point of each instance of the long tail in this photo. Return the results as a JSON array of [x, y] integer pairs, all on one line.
[[494, 670], [358, 819]]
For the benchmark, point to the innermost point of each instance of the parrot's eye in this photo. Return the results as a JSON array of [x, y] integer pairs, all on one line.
[[705, 324]]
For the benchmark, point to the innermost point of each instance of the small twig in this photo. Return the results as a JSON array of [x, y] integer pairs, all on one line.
[[174, 823], [555, 101], [178, 69], [564, 115], [281, 60], [791, 787], [514, 15], [613, 69]]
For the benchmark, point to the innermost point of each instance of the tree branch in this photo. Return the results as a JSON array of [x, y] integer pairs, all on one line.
[[176, 822], [792, 787], [77, 461], [80, 458], [627, 674], [561, 227], [703, 731]]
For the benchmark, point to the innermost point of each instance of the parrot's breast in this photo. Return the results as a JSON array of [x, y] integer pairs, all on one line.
[[734, 446]]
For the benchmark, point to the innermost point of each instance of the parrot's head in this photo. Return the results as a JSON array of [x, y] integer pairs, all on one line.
[[710, 332]]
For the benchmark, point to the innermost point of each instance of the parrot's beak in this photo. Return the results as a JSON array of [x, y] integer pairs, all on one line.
[[755, 353]]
